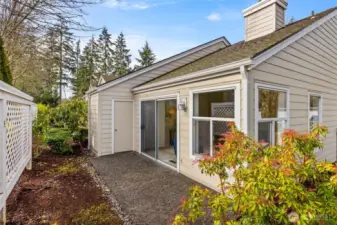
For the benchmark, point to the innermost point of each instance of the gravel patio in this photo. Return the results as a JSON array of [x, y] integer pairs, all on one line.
[[146, 191]]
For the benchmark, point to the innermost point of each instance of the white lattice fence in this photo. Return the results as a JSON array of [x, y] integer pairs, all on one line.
[[17, 112]]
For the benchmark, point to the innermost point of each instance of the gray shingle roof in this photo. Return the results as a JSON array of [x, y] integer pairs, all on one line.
[[243, 50]]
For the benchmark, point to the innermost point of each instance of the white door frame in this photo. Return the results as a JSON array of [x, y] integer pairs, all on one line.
[[161, 98], [113, 122]]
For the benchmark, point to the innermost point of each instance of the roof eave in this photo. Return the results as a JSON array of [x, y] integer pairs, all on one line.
[[192, 76]]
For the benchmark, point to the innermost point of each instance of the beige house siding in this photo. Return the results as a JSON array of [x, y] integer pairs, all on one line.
[[123, 91], [260, 23], [308, 65], [93, 122], [280, 17], [186, 162]]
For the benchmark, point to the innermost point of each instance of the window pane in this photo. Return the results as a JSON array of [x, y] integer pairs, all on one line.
[[279, 130], [264, 132], [272, 104], [219, 129], [218, 104], [314, 111], [201, 137]]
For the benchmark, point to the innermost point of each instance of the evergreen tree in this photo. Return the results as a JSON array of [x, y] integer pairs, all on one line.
[[5, 73], [121, 56], [86, 74], [105, 53], [146, 57], [77, 55], [50, 58], [66, 56]]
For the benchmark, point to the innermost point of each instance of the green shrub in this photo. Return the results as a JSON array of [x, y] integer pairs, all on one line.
[[96, 215], [41, 124], [72, 114], [276, 185], [58, 140]]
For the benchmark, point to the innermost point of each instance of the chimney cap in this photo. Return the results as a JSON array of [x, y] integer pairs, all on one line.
[[262, 4]]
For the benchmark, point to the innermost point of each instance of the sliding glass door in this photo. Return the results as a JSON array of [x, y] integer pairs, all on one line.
[[167, 131], [148, 128], [159, 130]]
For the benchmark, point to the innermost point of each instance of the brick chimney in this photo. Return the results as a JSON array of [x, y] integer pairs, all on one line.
[[264, 17]]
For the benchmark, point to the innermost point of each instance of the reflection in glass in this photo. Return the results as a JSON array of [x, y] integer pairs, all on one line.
[[201, 137], [264, 133], [148, 128], [167, 131], [314, 111], [272, 104], [280, 127]]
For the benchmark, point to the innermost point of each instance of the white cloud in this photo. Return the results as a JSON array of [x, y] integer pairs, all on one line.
[[225, 14], [214, 17], [136, 5]]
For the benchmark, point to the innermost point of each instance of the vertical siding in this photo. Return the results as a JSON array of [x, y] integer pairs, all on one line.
[[123, 91], [93, 122], [186, 162], [308, 65]]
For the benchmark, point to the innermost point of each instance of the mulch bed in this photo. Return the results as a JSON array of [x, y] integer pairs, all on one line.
[[46, 196]]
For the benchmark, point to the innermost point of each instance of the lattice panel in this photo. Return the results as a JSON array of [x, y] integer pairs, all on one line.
[[222, 110], [220, 127], [17, 131]]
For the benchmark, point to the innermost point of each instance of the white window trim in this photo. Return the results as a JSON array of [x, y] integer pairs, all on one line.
[[237, 115], [257, 119], [315, 94]]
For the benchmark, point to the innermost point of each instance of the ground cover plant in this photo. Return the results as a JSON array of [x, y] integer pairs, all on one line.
[[275, 185]]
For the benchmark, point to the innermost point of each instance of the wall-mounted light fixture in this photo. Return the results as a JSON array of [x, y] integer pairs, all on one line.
[[182, 105]]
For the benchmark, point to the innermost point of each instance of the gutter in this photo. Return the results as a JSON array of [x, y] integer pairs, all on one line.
[[230, 67]]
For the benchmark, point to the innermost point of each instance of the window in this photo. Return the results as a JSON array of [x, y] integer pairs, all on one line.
[[272, 114], [315, 110], [211, 111]]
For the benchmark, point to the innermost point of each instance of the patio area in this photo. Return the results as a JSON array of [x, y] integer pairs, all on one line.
[[146, 190]]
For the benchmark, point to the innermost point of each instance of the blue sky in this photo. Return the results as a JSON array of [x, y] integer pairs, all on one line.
[[172, 26]]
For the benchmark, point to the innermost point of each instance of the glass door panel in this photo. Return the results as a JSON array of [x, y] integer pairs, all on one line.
[[148, 128], [167, 131]]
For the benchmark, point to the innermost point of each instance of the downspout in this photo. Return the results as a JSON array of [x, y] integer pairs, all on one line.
[[245, 98]]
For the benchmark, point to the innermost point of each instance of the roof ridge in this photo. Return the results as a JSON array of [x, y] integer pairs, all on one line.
[[180, 53]]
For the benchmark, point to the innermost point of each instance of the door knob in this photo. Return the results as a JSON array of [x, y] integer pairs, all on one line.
[[115, 129]]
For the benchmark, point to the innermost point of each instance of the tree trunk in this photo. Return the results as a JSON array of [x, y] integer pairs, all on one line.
[[61, 63]]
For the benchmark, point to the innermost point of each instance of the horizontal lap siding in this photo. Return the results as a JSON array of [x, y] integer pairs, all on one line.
[[280, 17], [186, 163], [308, 65], [260, 23], [93, 122], [123, 91]]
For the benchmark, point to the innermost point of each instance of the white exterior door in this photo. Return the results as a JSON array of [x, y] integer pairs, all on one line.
[[122, 126]]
